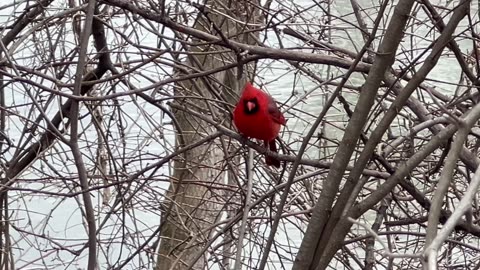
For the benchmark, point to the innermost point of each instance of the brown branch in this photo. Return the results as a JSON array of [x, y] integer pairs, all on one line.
[[313, 251], [20, 162], [73, 143], [25, 19], [270, 53], [452, 45]]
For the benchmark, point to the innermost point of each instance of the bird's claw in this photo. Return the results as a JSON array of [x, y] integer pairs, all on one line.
[[243, 140]]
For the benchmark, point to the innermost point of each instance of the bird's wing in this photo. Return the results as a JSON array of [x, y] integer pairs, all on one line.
[[274, 112]]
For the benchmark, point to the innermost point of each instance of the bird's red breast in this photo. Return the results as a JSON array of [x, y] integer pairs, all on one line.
[[257, 115]]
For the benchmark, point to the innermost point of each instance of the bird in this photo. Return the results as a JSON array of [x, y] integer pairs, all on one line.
[[257, 116]]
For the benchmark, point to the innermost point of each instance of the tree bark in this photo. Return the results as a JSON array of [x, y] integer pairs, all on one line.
[[191, 209], [317, 235]]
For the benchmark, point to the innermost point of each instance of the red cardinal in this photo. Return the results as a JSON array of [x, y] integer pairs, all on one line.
[[257, 116]]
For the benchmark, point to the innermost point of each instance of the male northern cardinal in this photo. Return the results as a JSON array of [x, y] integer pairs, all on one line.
[[257, 116]]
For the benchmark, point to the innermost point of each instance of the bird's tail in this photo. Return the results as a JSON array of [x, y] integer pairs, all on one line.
[[271, 161]]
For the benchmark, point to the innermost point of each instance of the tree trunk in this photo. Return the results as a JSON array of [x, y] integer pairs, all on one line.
[[192, 204]]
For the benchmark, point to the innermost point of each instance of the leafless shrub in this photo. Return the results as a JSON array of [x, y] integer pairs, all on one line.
[[115, 123]]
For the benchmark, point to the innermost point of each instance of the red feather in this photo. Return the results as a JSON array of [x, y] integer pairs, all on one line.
[[257, 116]]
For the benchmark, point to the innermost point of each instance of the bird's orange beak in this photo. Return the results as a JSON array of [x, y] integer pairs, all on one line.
[[250, 106]]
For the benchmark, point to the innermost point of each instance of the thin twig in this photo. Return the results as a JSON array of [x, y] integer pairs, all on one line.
[[246, 209]]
